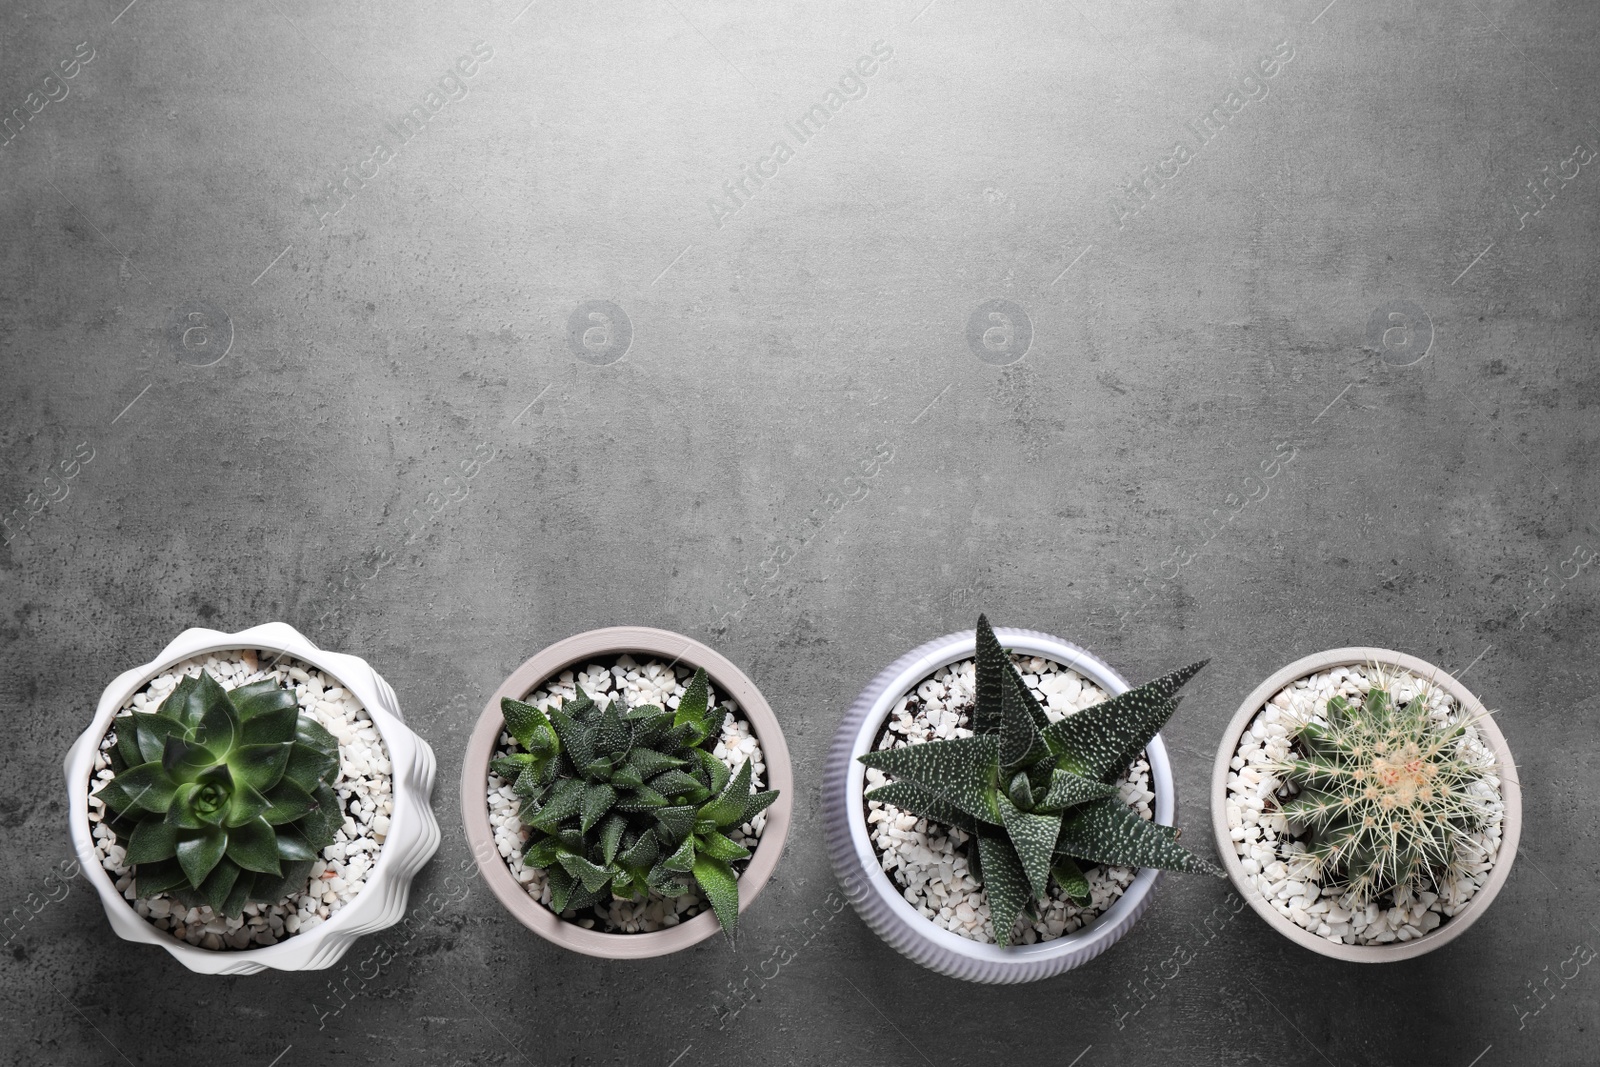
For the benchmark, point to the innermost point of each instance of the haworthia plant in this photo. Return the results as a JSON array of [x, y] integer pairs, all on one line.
[[1038, 796], [1385, 791], [628, 801], [223, 797]]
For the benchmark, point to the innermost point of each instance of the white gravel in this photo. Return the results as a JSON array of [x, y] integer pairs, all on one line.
[[651, 682], [365, 794], [927, 862], [1268, 846]]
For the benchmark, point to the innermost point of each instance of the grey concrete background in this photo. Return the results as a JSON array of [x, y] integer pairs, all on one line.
[[163, 208]]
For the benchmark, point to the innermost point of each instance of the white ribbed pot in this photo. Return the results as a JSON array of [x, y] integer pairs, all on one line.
[[1510, 795], [876, 898], [413, 832]]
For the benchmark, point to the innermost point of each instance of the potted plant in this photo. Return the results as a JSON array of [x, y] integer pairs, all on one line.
[[248, 800], [626, 793], [989, 813], [1364, 804]]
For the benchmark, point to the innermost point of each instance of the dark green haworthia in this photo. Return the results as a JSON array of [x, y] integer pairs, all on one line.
[[1038, 796], [223, 797], [626, 802]]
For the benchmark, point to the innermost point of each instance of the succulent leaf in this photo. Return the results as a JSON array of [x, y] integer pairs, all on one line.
[[963, 771], [1070, 877], [1068, 790], [201, 852], [1102, 740], [909, 796], [692, 705], [719, 847], [1108, 831], [152, 840], [990, 664], [1033, 838], [718, 883], [254, 846], [1005, 883]]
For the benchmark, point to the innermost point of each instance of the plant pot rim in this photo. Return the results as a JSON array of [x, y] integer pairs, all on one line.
[[883, 906], [413, 831], [1488, 730], [730, 683]]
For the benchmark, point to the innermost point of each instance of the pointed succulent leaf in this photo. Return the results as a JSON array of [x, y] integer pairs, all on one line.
[[1033, 837], [592, 875], [1068, 790], [309, 767], [152, 840], [754, 805], [159, 877], [963, 771], [254, 846], [219, 884], [641, 799], [321, 824], [665, 882], [146, 787], [650, 724], [1108, 831], [244, 885], [309, 733], [643, 853], [577, 739], [527, 724], [649, 762], [1005, 883], [626, 777], [1069, 876], [684, 735], [261, 697], [721, 888], [674, 824], [715, 771], [260, 766], [291, 845], [719, 847], [219, 728], [184, 703], [694, 701], [562, 885], [273, 726], [127, 746], [682, 858], [1103, 740], [612, 736], [611, 832], [1020, 790], [150, 733], [542, 852], [597, 800], [201, 852], [918, 800], [247, 803], [285, 803], [584, 897], [677, 783], [1021, 746], [729, 804], [990, 663], [565, 801], [510, 767]]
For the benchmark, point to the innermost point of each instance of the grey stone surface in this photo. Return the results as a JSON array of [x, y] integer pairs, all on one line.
[[263, 390]]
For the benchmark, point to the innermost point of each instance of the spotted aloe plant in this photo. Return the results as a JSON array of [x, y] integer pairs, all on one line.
[[223, 797], [626, 801], [1038, 797]]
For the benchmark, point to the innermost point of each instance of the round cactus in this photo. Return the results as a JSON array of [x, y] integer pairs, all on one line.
[[1384, 791], [223, 797]]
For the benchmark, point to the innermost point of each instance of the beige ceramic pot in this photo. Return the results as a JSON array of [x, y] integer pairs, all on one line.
[[729, 683], [1510, 829]]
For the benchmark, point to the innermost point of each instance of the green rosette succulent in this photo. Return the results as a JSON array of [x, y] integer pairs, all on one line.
[[223, 797], [626, 801], [1038, 797]]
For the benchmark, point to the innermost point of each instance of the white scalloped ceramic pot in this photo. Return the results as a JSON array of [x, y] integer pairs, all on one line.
[[1510, 792], [876, 898], [728, 681], [413, 832]]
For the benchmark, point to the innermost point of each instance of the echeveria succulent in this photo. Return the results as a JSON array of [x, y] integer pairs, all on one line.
[[1385, 791], [625, 801], [223, 797], [1038, 796]]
